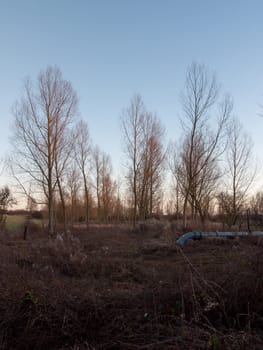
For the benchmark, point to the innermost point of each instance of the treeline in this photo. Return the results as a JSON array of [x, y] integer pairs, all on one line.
[[208, 169]]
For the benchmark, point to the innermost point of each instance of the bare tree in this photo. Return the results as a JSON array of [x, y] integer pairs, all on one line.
[[97, 160], [83, 159], [62, 159], [205, 174], [256, 203], [175, 202], [104, 185], [118, 207], [240, 172], [204, 124], [73, 185], [42, 117], [108, 187], [143, 137], [151, 170], [132, 127]]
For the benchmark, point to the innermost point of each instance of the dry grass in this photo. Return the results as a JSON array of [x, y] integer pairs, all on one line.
[[112, 288]]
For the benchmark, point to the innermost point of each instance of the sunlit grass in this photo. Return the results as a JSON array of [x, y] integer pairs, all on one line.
[[14, 222]]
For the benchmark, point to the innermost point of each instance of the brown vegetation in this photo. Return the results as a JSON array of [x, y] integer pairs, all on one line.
[[117, 288]]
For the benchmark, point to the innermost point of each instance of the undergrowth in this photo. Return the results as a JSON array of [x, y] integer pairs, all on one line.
[[115, 290]]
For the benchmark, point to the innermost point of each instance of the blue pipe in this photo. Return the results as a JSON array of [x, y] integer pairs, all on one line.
[[197, 235]]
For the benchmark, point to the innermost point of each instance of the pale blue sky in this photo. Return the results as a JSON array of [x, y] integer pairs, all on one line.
[[111, 49]]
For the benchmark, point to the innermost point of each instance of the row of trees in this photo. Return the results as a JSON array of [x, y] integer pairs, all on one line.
[[54, 161], [143, 138], [213, 161], [52, 155]]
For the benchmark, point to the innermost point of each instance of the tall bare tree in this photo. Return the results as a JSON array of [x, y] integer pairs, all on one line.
[[151, 170], [63, 159], [204, 124], [42, 117], [108, 187], [240, 172], [83, 159], [132, 128], [143, 140]]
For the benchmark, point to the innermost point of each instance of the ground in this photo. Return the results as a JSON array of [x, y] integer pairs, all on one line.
[[110, 287]]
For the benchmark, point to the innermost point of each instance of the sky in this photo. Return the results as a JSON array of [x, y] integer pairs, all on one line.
[[112, 49]]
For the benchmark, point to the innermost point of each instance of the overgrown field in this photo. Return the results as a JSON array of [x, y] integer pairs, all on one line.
[[113, 288]]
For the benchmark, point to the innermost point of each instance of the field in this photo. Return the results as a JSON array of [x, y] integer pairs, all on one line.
[[17, 222], [115, 288]]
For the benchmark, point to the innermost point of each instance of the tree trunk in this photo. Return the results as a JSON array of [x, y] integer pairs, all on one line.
[[50, 211], [64, 218]]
